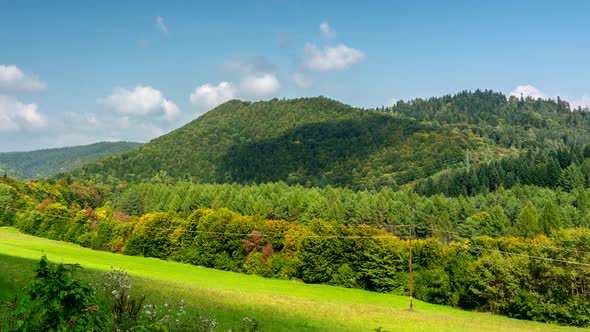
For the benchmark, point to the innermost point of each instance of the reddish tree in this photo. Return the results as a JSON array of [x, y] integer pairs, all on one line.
[[121, 216], [254, 242]]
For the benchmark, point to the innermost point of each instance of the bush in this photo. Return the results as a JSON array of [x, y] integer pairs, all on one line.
[[56, 300]]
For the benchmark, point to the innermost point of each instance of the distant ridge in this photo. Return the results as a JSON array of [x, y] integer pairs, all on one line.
[[49, 162]]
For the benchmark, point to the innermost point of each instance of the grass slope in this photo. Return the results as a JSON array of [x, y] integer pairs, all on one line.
[[280, 305], [45, 163]]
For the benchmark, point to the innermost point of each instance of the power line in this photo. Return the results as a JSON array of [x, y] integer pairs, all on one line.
[[243, 234], [529, 256], [527, 244], [277, 235], [323, 226]]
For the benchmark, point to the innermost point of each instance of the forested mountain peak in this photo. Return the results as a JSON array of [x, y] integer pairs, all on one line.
[[482, 106], [320, 141]]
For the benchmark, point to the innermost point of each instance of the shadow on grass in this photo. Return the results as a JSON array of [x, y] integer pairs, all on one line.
[[16, 273]]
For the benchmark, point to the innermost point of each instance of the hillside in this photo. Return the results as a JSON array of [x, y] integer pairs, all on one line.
[[309, 141], [45, 163], [319, 141], [509, 121], [280, 305]]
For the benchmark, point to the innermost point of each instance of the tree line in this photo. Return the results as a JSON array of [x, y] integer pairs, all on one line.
[[522, 211]]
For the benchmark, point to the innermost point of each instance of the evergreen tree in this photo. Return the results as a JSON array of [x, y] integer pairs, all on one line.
[[527, 222], [549, 218], [498, 223], [572, 177]]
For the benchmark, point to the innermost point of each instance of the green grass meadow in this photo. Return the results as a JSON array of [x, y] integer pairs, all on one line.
[[278, 304]]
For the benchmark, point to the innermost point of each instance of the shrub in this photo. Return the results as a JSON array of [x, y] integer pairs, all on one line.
[[56, 300]]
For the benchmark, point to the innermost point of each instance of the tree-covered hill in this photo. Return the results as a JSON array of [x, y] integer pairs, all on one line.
[[319, 141], [508, 121], [309, 141], [45, 163]]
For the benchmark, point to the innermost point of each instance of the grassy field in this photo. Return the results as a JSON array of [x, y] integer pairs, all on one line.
[[279, 305]]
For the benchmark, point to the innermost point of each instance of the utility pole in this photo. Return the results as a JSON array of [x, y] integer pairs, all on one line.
[[411, 275]]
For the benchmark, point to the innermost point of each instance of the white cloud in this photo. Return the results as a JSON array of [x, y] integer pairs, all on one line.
[[533, 92], [12, 79], [15, 116], [583, 102], [209, 95], [156, 131], [260, 85], [326, 30], [161, 25], [258, 76], [143, 100], [527, 91], [170, 109], [330, 57], [391, 101], [300, 80]]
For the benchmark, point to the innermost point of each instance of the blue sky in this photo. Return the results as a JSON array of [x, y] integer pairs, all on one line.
[[77, 72]]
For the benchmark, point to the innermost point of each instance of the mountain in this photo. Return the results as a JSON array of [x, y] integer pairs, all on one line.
[[521, 123], [319, 141], [310, 141], [46, 163]]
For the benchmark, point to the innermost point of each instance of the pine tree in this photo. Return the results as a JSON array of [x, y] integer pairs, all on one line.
[[549, 218], [527, 222]]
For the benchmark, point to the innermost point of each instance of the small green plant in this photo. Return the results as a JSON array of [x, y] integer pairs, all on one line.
[[57, 301], [247, 325]]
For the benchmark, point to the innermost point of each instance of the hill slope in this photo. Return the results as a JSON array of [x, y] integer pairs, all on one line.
[[318, 141], [310, 141], [48, 162]]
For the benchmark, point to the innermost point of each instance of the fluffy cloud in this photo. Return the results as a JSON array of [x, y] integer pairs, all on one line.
[[258, 76], [260, 85], [212, 95], [583, 102], [15, 116], [533, 92], [527, 91], [143, 100], [326, 30], [12, 79], [330, 57], [161, 25], [170, 109], [300, 80], [391, 101]]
